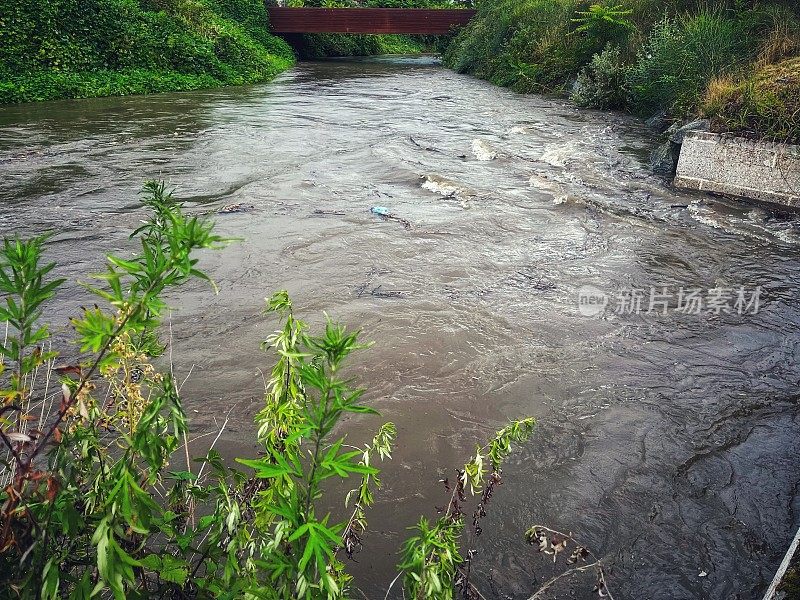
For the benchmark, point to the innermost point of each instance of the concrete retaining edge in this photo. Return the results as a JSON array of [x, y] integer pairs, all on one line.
[[724, 164]]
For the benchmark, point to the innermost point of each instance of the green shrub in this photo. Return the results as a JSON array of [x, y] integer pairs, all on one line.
[[530, 46], [536, 45], [47, 85], [605, 22], [478, 46], [601, 83], [680, 58], [669, 50], [777, 31]]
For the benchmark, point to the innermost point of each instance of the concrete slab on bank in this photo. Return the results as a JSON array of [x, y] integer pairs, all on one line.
[[724, 164]]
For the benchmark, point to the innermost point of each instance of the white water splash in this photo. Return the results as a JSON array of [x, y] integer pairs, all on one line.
[[449, 189], [560, 155], [441, 186], [703, 214], [483, 151]]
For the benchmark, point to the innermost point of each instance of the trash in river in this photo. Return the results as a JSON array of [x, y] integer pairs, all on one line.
[[384, 212], [234, 208], [327, 213], [377, 292]]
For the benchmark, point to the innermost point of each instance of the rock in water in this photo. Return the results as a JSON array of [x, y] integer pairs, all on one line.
[[664, 159], [676, 136], [658, 121]]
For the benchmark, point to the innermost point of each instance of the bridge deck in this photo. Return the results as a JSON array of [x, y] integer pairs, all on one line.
[[367, 20]]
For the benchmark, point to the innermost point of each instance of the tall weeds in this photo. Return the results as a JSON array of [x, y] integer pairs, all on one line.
[[682, 56]]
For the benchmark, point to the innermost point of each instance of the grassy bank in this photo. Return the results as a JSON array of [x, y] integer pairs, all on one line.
[[734, 61], [82, 48]]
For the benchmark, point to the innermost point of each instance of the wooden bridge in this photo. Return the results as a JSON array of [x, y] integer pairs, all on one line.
[[421, 21]]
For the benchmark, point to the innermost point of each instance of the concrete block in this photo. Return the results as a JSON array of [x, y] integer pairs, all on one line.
[[764, 171]]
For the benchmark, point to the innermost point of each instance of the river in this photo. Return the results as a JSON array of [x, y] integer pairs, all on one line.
[[667, 441]]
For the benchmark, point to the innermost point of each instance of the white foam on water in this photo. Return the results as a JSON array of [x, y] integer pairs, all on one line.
[[441, 186], [448, 189], [483, 151], [560, 155], [702, 214], [542, 182]]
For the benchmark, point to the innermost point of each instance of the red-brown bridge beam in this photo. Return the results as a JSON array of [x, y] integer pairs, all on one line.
[[367, 20]]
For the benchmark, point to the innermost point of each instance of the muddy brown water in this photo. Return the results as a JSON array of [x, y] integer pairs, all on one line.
[[667, 443]]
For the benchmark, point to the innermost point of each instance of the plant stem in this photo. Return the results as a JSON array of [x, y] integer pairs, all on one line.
[[312, 483]]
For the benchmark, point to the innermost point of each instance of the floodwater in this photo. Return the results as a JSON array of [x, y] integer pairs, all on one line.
[[667, 443]]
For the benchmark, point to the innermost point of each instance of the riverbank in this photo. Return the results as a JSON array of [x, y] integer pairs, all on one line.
[[51, 49], [662, 61]]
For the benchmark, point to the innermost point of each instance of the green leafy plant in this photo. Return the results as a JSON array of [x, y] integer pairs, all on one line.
[[432, 562], [604, 22], [529, 46], [64, 49], [91, 505], [681, 57], [602, 83], [78, 509], [306, 398]]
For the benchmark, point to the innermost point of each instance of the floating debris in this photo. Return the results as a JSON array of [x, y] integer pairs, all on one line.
[[384, 212], [377, 292], [235, 208], [418, 145]]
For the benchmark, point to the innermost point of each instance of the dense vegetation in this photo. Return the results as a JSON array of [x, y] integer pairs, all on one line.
[[81, 48], [322, 45], [732, 60]]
